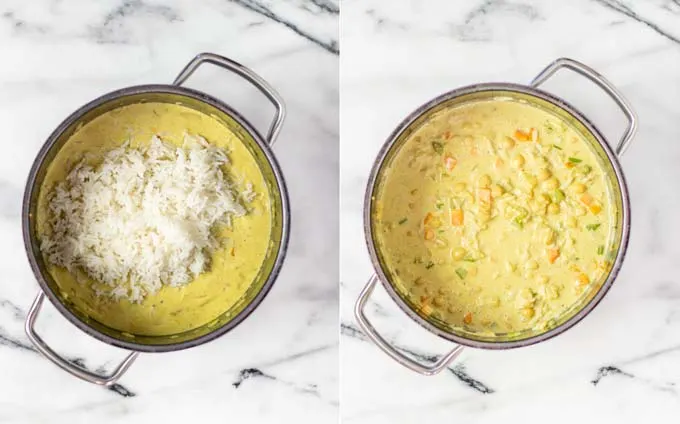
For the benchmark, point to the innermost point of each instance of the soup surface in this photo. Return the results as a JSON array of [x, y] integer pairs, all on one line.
[[233, 267], [494, 217]]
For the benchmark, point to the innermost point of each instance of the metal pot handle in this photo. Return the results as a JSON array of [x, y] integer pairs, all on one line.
[[377, 339], [603, 83], [247, 74], [73, 369]]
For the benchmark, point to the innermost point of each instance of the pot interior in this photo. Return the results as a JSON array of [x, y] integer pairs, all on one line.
[[614, 182], [273, 182]]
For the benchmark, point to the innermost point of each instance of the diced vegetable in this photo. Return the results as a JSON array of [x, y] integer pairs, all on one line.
[[583, 279], [575, 160], [595, 209], [585, 169], [558, 196], [447, 135], [428, 218], [461, 272], [600, 250], [522, 135], [429, 234], [467, 318], [457, 217], [557, 147], [553, 254], [450, 163], [458, 253], [534, 134], [403, 221], [438, 147], [592, 227], [587, 199]]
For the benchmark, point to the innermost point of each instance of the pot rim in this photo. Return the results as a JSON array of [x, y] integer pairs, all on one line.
[[521, 89], [157, 89]]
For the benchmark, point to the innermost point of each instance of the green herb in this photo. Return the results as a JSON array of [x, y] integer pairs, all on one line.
[[518, 221], [469, 258], [585, 169], [439, 205], [462, 273], [557, 147], [592, 227], [437, 147], [429, 265], [600, 250], [558, 196], [575, 160], [403, 221]]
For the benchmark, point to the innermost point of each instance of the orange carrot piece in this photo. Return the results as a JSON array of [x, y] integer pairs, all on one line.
[[429, 234], [522, 135], [457, 217], [569, 164], [583, 279], [595, 209], [587, 199], [467, 318], [553, 254], [428, 218], [450, 162]]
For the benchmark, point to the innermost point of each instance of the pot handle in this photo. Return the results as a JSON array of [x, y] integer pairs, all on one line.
[[604, 84], [247, 74], [73, 369], [377, 339]]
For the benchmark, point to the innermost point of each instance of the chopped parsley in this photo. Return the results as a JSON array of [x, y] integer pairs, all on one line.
[[600, 250], [592, 227], [403, 221], [557, 147], [575, 160]]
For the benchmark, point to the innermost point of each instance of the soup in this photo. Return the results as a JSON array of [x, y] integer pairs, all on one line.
[[233, 267], [494, 217]]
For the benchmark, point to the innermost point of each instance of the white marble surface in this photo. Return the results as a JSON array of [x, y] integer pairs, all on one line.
[[57, 55], [622, 363]]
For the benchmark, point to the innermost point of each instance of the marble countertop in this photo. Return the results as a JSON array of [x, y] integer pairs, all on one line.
[[281, 362], [621, 363]]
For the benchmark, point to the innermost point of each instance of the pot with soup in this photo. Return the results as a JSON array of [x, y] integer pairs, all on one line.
[[156, 218], [496, 216]]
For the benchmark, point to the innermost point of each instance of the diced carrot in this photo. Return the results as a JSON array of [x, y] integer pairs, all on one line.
[[553, 254], [484, 195], [595, 209], [583, 279], [467, 318], [457, 217], [522, 135], [450, 162], [447, 135], [429, 234], [424, 299], [569, 164], [428, 218], [587, 199]]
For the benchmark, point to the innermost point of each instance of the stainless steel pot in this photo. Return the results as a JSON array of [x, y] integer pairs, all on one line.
[[533, 95], [259, 146]]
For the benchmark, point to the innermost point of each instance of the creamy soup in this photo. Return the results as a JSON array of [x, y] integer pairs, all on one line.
[[494, 217], [233, 267]]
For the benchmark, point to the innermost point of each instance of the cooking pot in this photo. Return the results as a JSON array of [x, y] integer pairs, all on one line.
[[259, 147], [531, 95]]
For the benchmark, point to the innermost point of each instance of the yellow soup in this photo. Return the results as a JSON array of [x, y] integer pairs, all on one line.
[[173, 309], [494, 217]]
